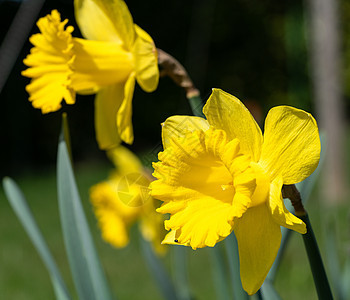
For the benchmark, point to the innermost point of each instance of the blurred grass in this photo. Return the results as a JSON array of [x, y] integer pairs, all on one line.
[[23, 276]]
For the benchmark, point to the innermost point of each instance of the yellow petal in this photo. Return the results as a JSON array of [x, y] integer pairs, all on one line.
[[107, 104], [124, 116], [203, 222], [146, 61], [200, 188], [291, 146], [259, 239], [105, 21], [151, 225], [178, 126], [113, 215], [172, 238], [47, 91], [114, 230], [50, 63], [124, 160], [133, 188], [278, 210], [99, 64], [226, 112]]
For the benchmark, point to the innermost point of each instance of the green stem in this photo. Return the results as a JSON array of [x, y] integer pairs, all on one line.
[[317, 268]]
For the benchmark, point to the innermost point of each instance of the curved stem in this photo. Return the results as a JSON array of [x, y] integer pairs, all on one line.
[[313, 253], [315, 260], [172, 68]]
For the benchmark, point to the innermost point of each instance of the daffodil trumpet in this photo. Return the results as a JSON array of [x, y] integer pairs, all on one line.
[[114, 54], [222, 174]]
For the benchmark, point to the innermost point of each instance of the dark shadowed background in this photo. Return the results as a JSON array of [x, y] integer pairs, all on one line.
[[255, 50]]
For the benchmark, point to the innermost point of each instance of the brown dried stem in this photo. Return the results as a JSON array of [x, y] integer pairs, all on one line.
[[172, 68]]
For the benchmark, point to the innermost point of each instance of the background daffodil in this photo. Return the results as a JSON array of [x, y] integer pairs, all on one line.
[[124, 199], [222, 174], [115, 53]]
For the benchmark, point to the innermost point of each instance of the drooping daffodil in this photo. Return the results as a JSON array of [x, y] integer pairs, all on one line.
[[123, 199], [115, 53], [222, 174]]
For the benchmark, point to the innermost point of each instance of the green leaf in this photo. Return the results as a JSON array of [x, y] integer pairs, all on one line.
[[219, 273], [22, 210], [233, 260], [158, 271], [332, 255], [346, 279], [180, 271], [86, 269], [268, 291]]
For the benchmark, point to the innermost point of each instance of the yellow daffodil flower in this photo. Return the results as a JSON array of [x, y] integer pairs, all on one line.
[[114, 54], [124, 199], [222, 174]]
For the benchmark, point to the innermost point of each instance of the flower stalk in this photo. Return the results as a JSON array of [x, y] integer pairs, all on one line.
[[173, 68], [313, 253]]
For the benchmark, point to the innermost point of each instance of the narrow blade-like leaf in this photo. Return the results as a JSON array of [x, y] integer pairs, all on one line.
[[220, 274], [268, 291], [86, 269], [180, 271], [22, 210], [158, 271], [233, 261]]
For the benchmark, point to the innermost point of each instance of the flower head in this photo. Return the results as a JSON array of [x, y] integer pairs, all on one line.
[[221, 175], [124, 199], [115, 53]]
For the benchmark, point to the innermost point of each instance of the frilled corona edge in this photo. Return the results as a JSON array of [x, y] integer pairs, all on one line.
[[221, 175], [115, 55]]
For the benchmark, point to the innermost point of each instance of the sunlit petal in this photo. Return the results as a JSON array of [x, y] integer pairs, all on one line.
[[178, 126], [259, 239], [50, 64], [198, 189], [291, 146], [226, 112], [99, 64], [146, 61], [278, 210], [107, 104], [124, 116], [105, 21]]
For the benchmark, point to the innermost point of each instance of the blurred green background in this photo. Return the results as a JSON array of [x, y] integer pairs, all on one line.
[[24, 277], [255, 50]]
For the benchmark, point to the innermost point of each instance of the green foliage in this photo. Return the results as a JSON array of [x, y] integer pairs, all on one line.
[[87, 272], [159, 273], [233, 264], [19, 205]]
